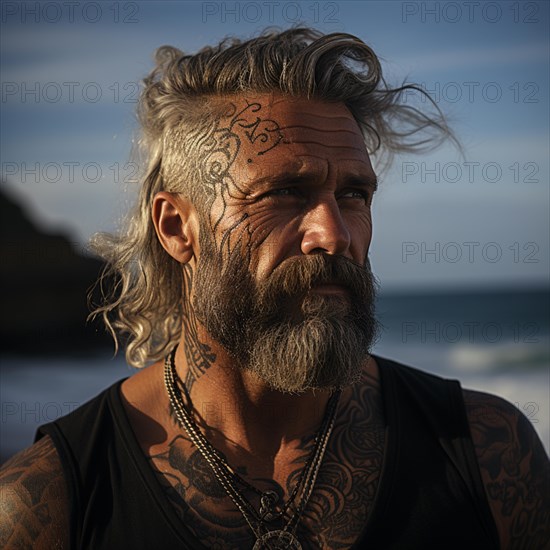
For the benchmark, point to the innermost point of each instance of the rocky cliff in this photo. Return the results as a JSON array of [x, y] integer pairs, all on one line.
[[44, 282]]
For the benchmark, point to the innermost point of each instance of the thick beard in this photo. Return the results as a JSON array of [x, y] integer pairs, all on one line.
[[292, 339]]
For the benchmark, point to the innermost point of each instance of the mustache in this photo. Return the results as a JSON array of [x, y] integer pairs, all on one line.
[[297, 275]]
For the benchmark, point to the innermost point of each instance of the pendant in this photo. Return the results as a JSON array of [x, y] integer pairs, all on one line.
[[277, 540], [267, 502]]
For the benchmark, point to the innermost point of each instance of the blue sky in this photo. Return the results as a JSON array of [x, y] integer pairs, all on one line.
[[69, 83]]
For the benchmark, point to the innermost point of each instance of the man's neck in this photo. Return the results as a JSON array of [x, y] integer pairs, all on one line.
[[235, 406]]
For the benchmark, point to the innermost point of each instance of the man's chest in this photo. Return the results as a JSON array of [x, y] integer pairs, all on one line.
[[334, 515]]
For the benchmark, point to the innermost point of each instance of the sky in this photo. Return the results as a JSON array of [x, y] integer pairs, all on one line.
[[70, 82]]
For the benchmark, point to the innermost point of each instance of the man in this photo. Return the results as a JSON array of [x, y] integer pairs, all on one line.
[[264, 422]]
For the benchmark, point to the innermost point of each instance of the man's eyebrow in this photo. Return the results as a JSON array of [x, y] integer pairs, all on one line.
[[288, 177], [282, 178], [361, 181]]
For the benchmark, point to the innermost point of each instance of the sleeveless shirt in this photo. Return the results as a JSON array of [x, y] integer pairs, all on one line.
[[430, 493]]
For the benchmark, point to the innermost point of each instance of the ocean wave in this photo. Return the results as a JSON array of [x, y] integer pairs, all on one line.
[[501, 357]]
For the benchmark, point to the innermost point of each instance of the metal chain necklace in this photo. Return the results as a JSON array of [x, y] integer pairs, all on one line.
[[228, 478]]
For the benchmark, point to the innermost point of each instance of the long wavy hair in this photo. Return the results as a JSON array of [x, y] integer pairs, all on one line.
[[144, 301]]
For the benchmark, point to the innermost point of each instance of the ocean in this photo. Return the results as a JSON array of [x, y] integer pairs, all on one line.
[[497, 342]]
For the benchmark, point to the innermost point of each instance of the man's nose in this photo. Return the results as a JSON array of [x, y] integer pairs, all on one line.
[[324, 229]]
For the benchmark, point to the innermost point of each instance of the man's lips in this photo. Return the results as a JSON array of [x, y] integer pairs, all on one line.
[[329, 288]]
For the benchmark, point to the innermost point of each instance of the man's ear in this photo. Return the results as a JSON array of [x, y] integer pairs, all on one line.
[[176, 225]]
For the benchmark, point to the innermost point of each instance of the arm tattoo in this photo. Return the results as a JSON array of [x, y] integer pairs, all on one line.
[[33, 499], [514, 468]]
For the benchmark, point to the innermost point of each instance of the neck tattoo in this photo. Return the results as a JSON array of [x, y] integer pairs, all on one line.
[[258, 521]]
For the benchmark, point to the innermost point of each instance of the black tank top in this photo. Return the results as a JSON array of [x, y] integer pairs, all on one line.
[[430, 493]]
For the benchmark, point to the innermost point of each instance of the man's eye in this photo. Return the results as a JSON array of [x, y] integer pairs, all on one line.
[[356, 194], [283, 192]]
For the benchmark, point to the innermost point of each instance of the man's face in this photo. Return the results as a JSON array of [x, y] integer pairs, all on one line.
[[282, 279]]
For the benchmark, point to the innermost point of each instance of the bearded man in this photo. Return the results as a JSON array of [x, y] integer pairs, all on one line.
[[264, 421]]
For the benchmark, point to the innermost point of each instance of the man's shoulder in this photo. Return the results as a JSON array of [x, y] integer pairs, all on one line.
[[514, 467], [439, 398], [409, 371], [33, 499], [495, 421], [86, 418], [481, 405]]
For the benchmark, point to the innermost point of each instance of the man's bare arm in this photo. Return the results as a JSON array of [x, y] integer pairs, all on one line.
[[515, 470], [33, 500]]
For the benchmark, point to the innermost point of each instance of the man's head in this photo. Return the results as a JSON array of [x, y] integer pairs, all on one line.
[[280, 266], [260, 183]]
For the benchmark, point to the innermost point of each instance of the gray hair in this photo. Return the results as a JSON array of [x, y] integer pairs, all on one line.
[[178, 105]]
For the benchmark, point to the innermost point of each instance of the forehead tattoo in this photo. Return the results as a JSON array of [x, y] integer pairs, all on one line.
[[219, 148]]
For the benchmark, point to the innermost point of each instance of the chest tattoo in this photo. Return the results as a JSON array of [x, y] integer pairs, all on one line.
[[339, 506]]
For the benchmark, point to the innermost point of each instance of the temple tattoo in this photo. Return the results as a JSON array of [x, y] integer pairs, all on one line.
[[218, 147]]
